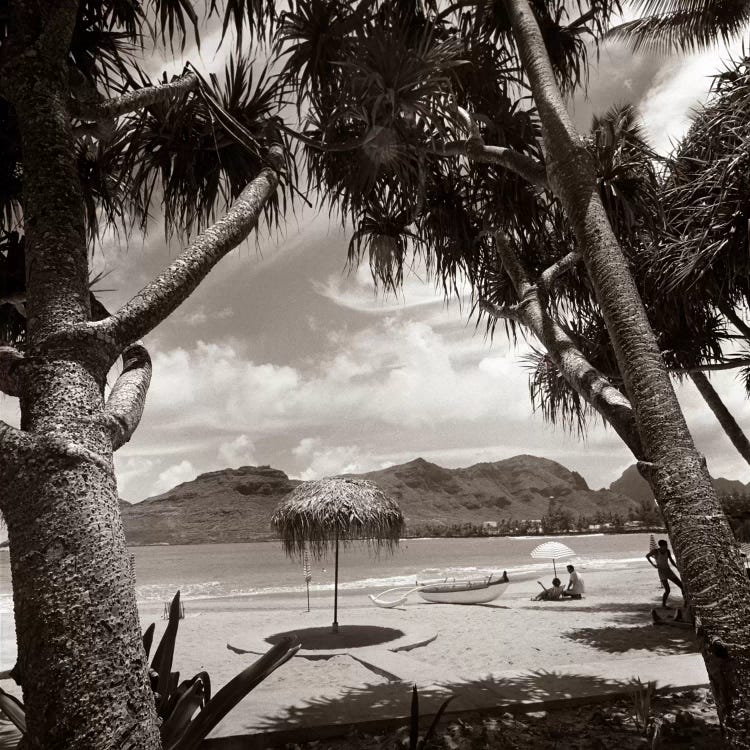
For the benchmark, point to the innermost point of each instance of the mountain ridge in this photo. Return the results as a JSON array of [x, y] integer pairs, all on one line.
[[235, 505]]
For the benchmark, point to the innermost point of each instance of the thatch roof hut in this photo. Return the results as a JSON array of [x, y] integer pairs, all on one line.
[[322, 514]]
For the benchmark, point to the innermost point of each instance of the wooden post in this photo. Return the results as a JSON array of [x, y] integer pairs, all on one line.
[[336, 588]]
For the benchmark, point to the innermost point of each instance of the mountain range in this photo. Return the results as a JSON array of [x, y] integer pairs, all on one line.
[[235, 505], [632, 484]]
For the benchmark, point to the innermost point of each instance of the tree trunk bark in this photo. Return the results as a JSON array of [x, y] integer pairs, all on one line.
[[586, 380], [706, 552], [723, 415], [82, 663]]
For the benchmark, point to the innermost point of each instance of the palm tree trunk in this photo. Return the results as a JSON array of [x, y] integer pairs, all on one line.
[[723, 415], [703, 542]]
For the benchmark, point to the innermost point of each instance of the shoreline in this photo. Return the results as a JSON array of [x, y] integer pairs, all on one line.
[[611, 624]]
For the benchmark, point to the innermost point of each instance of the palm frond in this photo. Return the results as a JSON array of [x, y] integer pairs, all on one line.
[[197, 155], [551, 394], [683, 25]]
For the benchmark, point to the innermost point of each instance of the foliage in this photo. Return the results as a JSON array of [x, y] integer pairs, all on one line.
[[683, 25], [415, 742], [737, 509], [186, 709], [642, 695], [188, 156]]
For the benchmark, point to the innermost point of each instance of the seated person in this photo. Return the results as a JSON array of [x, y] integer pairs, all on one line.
[[575, 584], [552, 594]]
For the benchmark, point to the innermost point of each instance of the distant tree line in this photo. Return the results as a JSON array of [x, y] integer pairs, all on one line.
[[560, 521], [643, 518], [737, 509]]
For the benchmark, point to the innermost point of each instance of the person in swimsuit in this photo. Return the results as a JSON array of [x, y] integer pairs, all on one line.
[[660, 558]]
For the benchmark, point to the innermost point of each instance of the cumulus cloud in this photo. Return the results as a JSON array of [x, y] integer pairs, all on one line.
[[322, 460], [130, 469], [681, 85], [174, 475], [394, 372], [238, 452], [200, 316]]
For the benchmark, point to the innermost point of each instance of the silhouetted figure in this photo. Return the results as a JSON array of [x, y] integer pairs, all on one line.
[[660, 558]]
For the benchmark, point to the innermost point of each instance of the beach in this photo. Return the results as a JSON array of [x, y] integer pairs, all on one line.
[[458, 649], [611, 623]]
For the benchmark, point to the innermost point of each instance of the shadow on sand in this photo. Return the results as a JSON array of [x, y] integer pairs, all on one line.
[[348, 636], [392, 699], [614, 639]]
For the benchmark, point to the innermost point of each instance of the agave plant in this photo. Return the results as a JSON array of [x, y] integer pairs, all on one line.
[[187, 710], [415, 741]]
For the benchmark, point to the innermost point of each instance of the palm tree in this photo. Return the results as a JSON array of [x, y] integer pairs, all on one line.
[[454, 165], [683, 25], [90, 144]]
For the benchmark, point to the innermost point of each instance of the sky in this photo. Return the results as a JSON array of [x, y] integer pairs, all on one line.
[[284, 356]]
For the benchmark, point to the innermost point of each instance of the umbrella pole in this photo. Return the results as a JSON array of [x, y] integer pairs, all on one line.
[[554, 567], [336, 588]]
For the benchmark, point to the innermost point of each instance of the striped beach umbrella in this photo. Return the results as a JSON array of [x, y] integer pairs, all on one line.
[[652, 545], [552, 551]]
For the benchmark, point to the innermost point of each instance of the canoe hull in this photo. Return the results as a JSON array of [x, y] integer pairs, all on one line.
[[464, 592]]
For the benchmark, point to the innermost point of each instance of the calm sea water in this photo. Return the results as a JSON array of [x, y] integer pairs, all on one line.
[[213, 571]]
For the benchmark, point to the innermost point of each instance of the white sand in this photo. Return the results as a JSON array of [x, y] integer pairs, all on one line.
[[611, 622]]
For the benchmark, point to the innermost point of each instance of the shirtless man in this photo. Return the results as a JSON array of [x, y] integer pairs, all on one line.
[[660, 558]]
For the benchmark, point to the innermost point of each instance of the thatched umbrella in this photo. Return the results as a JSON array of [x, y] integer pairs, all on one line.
[[321, 514]]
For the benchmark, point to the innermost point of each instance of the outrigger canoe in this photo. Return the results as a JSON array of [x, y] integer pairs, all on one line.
[[474, 591], [465, 592]]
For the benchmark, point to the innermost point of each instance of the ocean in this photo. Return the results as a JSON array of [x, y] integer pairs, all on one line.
[[215, 571]]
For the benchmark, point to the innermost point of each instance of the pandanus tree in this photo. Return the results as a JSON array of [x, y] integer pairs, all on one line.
[[442, 132], [89, 143], [691, 330]]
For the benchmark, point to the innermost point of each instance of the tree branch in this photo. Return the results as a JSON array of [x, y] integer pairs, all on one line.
[[530, 169], [15, 441], [9, 359], [577, 371], [174, 285], [731, 315], [501, 312], [124, 407], [557, 269], [730, 364], [474, 148], [133, 100], [725, 418]]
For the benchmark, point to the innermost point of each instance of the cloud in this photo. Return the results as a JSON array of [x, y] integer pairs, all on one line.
[[680, 86], [174, 475], [323, 461], [394, 372], [357, 291], [200, 316], [238, 452], [129, 469]]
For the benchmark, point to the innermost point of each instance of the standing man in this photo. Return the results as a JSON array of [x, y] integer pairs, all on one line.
[[663, 558], [575, 584]]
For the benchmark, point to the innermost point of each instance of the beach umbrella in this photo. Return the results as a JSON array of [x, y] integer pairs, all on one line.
[[552, 551], [322, 514], [652, 545]]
